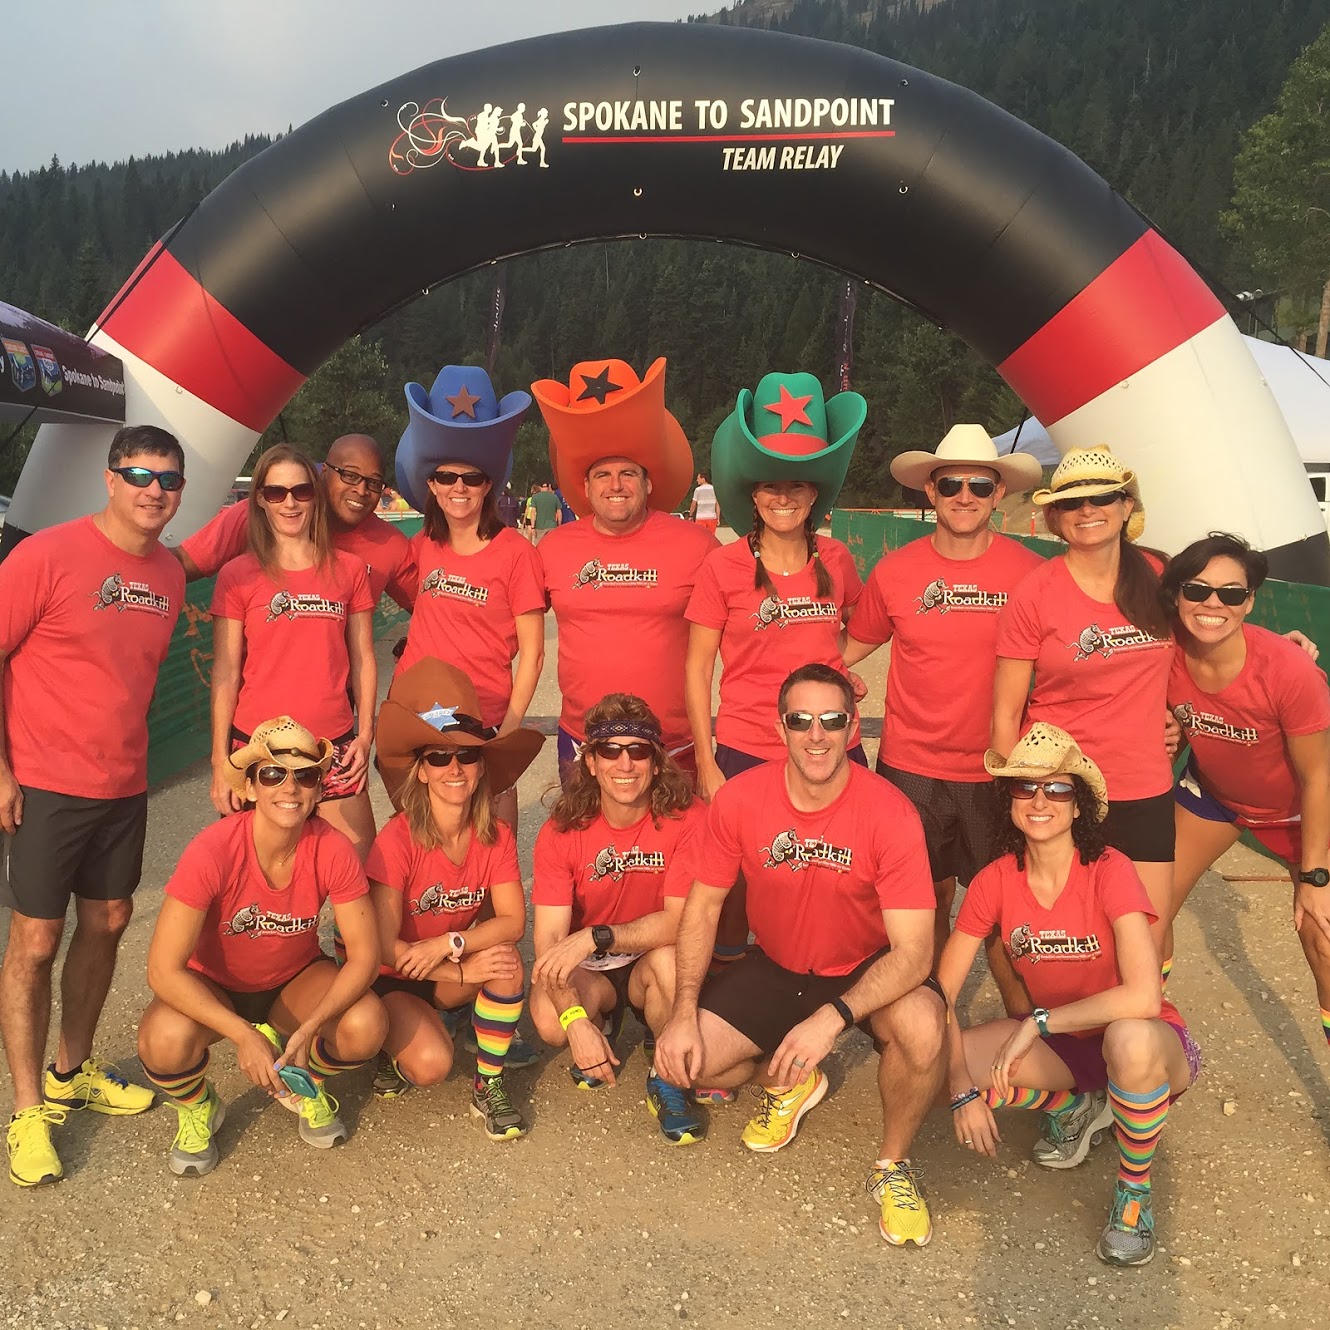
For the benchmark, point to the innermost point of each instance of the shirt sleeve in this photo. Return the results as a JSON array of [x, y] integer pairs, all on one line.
[[341, 872], [503, 862], [1120, 888], [706, 606], [526, 590], [198, 877], [229, 595], [25, 589], [1302, 700], [1019, 628], [903, 877], [681, 871], [871, 621], [402, 581], [552, 875], [718, 853], [220, 541], [978, 915], [386, 861], [847, 570], [361, 598]]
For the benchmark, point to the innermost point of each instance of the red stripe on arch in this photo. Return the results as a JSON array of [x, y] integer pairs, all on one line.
[[166, 318], [1144, 304]]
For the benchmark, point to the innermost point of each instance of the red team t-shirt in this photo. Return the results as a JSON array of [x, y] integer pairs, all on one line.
[[255, 938], [817, 882], [1237, 734], [296, 658], [466, 605], [941, 617], [439, 896], [619, 602], [614, 875], [1068, 951], [1103, 681], [85, 627], [379, 545], [764, 637]]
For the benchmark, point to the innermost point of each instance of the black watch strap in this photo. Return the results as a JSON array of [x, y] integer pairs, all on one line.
[[602, 935], [843, 1011]]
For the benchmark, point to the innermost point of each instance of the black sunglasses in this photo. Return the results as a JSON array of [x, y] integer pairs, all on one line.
[[803, 720], [141, 477], [471, 479], [355, 479], [301, 493], [1055, 791], [639, 752], [982, 487], [308, 778], [443, 757], [1094, 500], [1199, 592]]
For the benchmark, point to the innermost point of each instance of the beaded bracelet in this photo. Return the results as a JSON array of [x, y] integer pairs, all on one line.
[[968, 1097]]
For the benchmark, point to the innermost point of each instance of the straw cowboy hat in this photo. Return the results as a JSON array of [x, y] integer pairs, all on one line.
[[433, 704], [1044, 752], [784, 431], [1087, 471], [605, 410], [968, 445], [460, 419], [281, 742]]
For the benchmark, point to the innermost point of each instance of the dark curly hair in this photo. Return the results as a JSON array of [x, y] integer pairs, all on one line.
[[1086, 835]]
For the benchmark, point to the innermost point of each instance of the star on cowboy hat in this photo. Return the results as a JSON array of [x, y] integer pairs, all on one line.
[[460, 419], [605, 410], [1087, 471], [784, 431], [968, 445]]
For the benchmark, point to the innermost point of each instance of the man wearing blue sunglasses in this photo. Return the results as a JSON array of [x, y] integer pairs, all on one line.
[[87, 610]]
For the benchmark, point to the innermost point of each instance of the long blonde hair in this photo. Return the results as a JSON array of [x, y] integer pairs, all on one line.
[[262, 542], [420, 813]]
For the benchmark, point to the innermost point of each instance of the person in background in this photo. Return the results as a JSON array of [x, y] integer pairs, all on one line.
[[704, 510], [543, 512], [509, 507]]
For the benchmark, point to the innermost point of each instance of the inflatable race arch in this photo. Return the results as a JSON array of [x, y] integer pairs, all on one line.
[[828, 152]]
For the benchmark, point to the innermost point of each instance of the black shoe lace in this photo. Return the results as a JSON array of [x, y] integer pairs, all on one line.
[[766, 1105], [901, 1180]]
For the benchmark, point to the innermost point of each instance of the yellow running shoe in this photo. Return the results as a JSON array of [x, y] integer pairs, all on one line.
[[32, 1157], [778, 1115], [99, 1086], [904, 1210]]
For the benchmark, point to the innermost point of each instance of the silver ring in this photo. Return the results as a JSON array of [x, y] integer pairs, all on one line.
[[799, 1062], [968, 1141]]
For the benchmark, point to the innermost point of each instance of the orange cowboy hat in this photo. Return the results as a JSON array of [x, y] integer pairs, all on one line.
[[605, 410]]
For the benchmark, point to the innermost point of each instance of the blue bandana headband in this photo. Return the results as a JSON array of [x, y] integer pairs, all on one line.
[[623, 729]]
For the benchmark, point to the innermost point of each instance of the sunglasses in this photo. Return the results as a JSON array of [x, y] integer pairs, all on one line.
[[639, 752], [982, 487], [1199, 592], [803, 720], [1094, 500], [355, 479], [308, 778], [301, 493], [471, 479], [1055, 791], [443, 757], [141, 477]]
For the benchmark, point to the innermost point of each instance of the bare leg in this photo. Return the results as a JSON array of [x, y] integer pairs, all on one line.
[[594, 992], [417, 1040], [945, 891], [25, 1001], [651, 987], [354, 818], [1199, 843], [354, 1036], [1015, 999], [911, 1067], [86, 977], [729, 1058]]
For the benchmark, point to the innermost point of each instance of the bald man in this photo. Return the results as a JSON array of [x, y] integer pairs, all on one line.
[[353, 480]]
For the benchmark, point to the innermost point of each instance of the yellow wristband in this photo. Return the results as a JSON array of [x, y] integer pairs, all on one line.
[[566, 1018]]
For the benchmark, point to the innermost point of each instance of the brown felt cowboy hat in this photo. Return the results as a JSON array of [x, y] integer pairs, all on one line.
[[281, 742], [434, 705]]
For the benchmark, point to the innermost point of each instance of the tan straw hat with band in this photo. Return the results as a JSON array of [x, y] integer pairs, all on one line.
[[1084, 472], [1044, 752], [967, 445], [281, 742]]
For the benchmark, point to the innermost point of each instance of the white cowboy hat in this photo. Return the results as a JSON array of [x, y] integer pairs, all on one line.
[[968, 445]]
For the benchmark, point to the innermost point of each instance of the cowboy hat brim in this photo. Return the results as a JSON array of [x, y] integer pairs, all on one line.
[[1018, 471], [998, 766], [739, 461], [1085, 489], [257, 751]]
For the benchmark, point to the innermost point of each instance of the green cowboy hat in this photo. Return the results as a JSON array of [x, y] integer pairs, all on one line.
[[784, 431]]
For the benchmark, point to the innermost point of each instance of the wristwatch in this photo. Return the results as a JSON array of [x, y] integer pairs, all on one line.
[[457, 945], [603, 937], [1318, 877], [1040, 1015]]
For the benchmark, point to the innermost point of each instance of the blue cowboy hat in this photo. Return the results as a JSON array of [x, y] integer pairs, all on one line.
[[460, 419]]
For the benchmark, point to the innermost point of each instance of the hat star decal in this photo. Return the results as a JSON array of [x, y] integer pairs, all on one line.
[[599, 387], [440, 717], [791, 410], [463, 404]]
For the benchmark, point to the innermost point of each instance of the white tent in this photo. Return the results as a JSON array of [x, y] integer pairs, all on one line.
[[1300, 383]]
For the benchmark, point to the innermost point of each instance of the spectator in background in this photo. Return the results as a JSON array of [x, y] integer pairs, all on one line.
[[509, 507], [704, 510], [543, 512]]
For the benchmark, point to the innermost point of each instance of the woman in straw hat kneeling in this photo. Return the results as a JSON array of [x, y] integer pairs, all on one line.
[[236, 955], [1102, 1045], [433, 868]]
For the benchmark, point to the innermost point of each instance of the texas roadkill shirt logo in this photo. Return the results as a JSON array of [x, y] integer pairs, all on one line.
[[116, 592], [613, 865], [438, 899], [256, 922], [285, 605], [796, 609], [1051, 944], [797, 853], [941, 597], [1094, 641], [1205, 723], [595, 574], [441, 583]]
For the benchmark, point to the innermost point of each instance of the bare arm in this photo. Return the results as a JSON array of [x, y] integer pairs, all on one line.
[[698, 672], [1310, 755], [192, 571], [558, 961], [228, 636], [1011, 690], [11, 796], [854, 650], [364, 688], [530, 659], [679, 1052], [431, 957]]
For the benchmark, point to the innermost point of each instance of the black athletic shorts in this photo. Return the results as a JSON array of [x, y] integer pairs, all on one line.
[[69, 846], [957, 817], [255, 1006], [765, 1001], [1142, 829]]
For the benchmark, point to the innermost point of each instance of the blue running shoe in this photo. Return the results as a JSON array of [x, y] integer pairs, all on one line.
[[679, 1125]]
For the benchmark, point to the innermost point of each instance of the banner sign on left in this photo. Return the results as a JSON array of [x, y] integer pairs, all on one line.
[[47, 373]]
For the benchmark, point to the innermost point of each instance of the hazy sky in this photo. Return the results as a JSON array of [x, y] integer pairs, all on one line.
[[101, 80]]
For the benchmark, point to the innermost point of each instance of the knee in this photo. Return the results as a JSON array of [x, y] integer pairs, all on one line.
[[116, 919], [428, 1064], [514, 985], [914, 1025], [33, 944], [168, 1041], [547, 1025], [362, 1028], [1129, 1051]]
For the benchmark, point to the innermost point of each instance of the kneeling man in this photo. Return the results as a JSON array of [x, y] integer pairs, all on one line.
[[613, 865], [841, 904]]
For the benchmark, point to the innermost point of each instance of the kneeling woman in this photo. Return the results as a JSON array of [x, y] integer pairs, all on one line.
[[236, 956], [433, 868], [1102, 1046]]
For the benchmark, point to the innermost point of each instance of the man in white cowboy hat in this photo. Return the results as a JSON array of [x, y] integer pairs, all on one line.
[[619, 583], [936, 600]]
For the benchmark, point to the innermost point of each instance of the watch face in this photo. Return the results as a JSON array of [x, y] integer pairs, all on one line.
[[603, 936], [1318, 877]]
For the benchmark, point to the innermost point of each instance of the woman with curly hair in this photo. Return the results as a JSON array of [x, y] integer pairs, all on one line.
[[613, 867], [1102, 1046]]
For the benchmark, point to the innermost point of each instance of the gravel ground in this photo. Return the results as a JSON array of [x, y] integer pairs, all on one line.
[[592, 1220]]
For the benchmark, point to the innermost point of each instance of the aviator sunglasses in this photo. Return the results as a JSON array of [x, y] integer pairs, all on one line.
[[1055, 791], [471, 479], [1095, 501], [639, 752], [301, 493], [141, 477], [355, 479], [443, 757], [308, 778], [982, 487], [803, 720], [1199, 592]]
